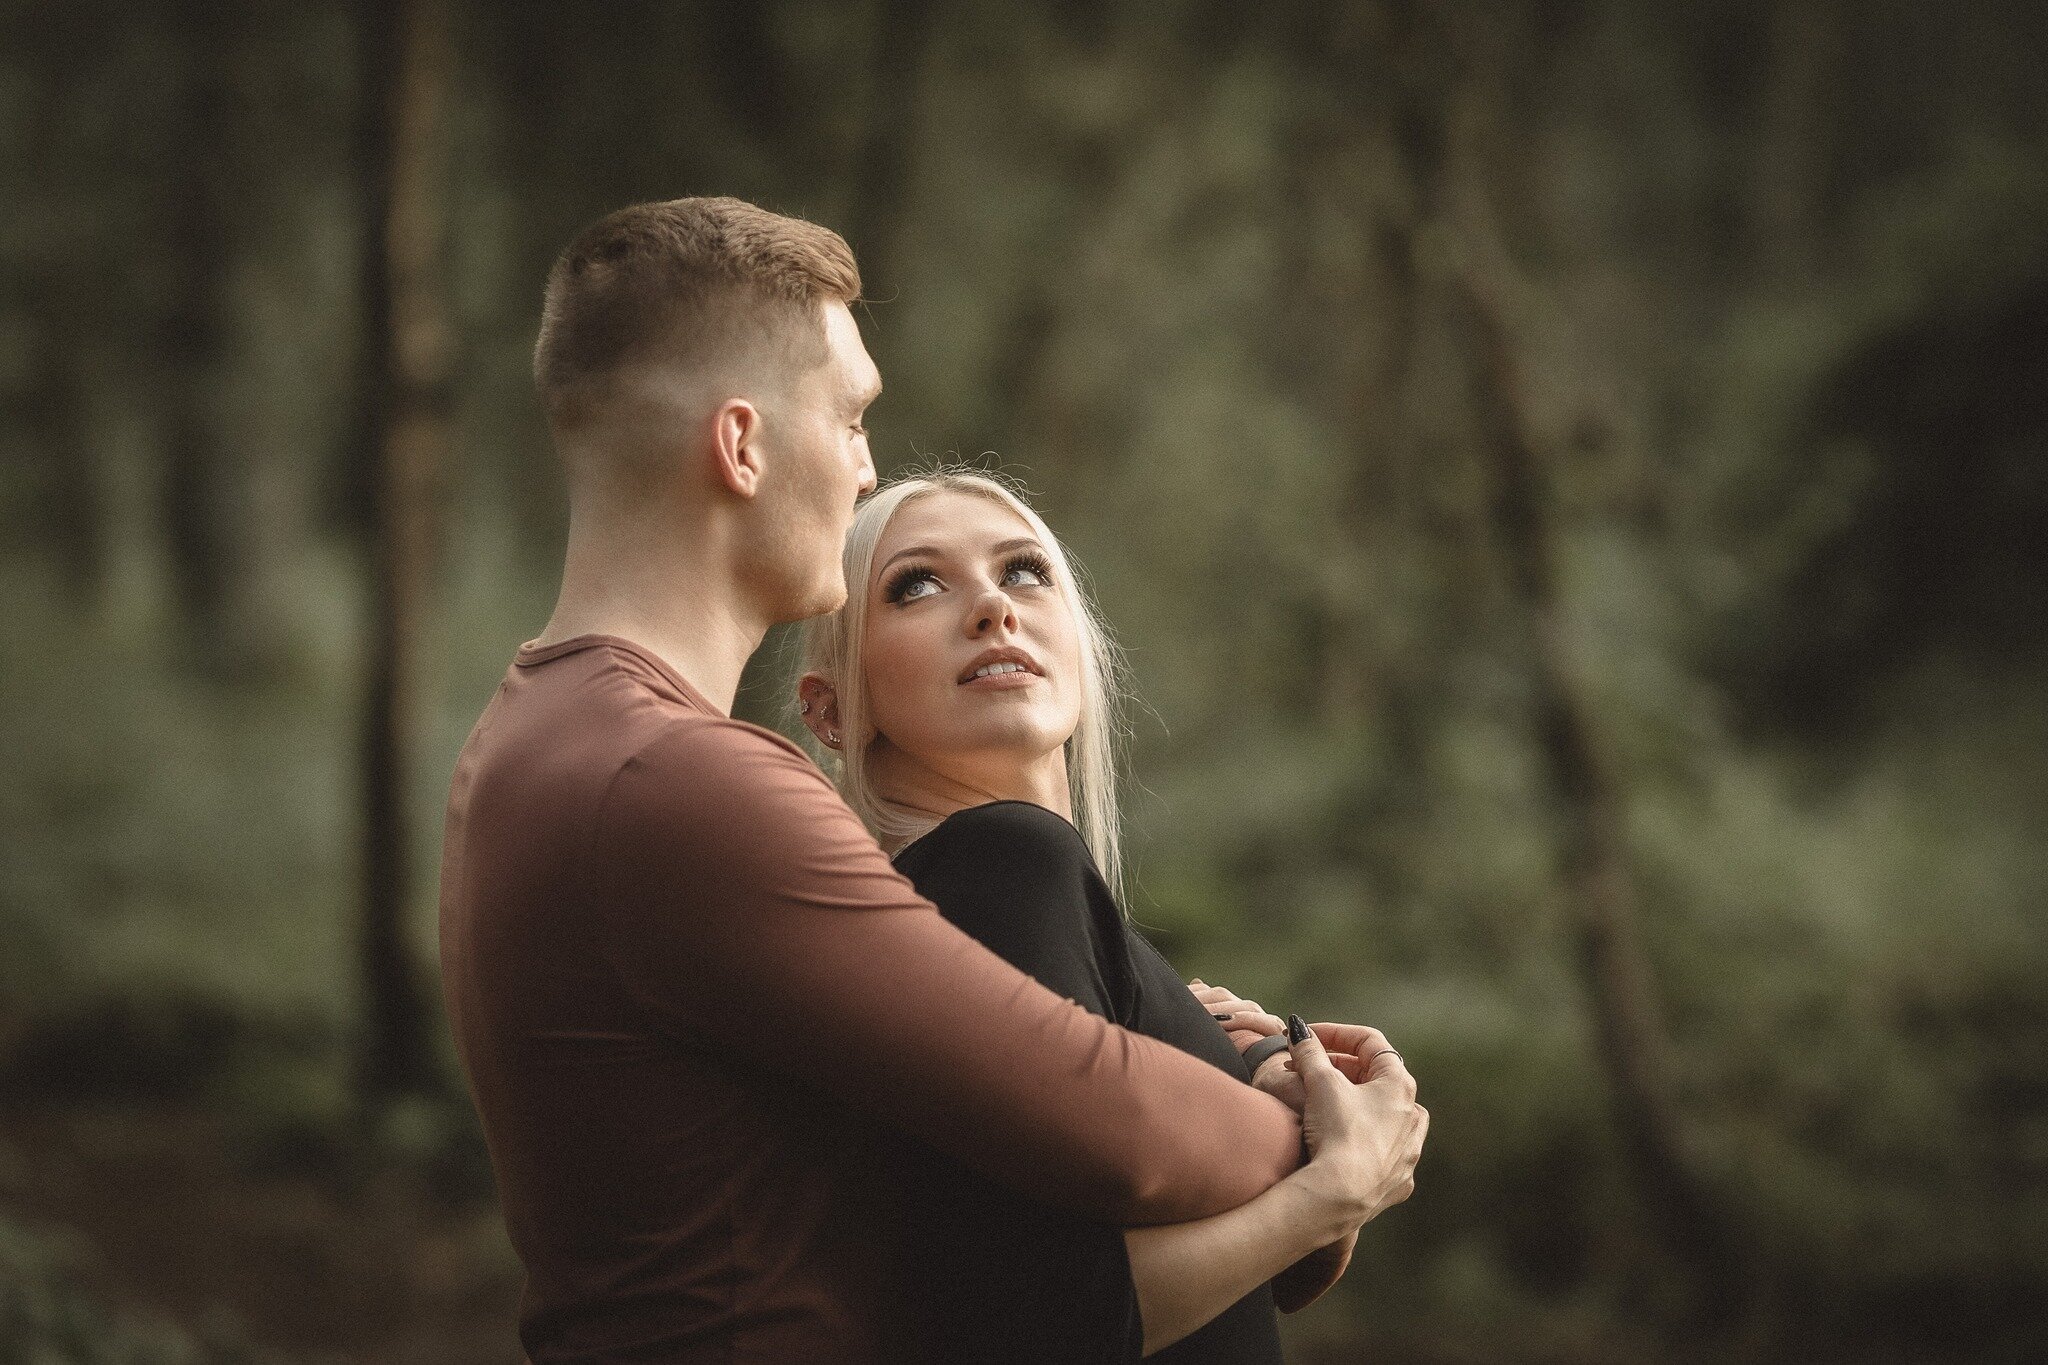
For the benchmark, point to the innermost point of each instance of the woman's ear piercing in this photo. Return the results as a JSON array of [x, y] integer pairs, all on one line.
[[805, 709]]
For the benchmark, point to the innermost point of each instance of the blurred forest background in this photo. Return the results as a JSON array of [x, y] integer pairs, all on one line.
[[1564, 473]]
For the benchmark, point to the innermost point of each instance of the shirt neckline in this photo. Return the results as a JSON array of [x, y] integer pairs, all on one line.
[[999, 801]]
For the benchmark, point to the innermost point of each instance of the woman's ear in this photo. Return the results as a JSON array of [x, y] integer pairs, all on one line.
[[818, 705]]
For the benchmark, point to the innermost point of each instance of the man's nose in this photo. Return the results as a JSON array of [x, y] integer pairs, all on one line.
[[867, 471]]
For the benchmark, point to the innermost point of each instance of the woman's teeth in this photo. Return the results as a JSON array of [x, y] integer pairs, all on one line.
[[989, 670]]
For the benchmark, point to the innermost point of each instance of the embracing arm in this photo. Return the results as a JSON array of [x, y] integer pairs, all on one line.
[[764, 904]]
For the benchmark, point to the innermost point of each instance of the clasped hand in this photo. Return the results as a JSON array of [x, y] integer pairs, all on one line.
[[1350, 1048]]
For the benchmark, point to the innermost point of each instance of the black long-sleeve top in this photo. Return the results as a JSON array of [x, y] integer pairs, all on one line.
[[1003, 1277]]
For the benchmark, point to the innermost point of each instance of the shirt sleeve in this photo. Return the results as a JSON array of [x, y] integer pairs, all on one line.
[[732, 888]]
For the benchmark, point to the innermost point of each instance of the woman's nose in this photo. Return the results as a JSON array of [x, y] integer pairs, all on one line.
[[991, 607]]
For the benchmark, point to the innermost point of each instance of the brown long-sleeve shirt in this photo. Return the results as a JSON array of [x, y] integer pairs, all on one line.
[[695, 1003]]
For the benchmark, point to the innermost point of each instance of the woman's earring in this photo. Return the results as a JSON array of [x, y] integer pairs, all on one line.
[[832, 736]]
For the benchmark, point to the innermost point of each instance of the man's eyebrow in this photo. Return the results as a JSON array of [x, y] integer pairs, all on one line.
[[1019, 543], [867, 395]]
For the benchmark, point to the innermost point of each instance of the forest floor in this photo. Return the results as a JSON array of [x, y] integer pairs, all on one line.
[[171, 1221], [163, 1212]]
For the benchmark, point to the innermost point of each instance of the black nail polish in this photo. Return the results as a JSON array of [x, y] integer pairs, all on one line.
[[1297, 1032], [1219, 1016]]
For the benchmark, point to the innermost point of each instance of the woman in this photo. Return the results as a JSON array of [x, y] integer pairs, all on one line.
[[968, 692]]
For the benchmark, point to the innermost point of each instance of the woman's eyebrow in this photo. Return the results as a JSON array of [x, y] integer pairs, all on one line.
[[934, 553]]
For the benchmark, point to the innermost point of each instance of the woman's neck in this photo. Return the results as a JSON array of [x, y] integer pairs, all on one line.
[[913, 783]]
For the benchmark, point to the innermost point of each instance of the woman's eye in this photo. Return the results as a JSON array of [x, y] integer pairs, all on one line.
[[1041, 575], [903, 587]]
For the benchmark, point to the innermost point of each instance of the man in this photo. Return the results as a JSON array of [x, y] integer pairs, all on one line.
[[696, 1004]]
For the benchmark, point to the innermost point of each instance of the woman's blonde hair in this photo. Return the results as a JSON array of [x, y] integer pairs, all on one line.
[[831, 646]]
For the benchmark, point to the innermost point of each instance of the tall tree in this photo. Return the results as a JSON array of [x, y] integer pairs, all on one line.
[[1587, 792], [407, 55]]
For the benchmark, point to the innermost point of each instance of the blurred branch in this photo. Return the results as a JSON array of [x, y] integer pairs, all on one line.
[[880, 176], [407, 59], [1599, 882]]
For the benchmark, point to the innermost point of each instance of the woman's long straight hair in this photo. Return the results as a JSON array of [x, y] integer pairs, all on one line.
[[832, 646]]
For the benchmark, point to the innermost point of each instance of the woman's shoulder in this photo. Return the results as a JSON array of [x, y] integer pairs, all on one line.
[[1004, 856], [1002, 831], [1019, 877]]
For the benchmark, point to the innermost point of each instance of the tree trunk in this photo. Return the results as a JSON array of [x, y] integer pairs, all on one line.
[[881, 173], [1599, 886], [406, 61]]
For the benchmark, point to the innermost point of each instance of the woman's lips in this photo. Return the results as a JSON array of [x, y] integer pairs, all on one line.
[[1003, 682]]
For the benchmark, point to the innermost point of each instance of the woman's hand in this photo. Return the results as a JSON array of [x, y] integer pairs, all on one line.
[[1360, 1122], [1278, 1077], [1246, 1015]]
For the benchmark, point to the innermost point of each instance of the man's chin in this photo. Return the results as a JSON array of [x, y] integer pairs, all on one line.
[[826, 600]]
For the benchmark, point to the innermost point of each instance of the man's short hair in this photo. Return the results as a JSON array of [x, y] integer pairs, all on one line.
[[685, 283]]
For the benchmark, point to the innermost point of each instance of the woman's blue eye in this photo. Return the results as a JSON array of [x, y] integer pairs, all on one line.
[[1032, 565], [898, 588]]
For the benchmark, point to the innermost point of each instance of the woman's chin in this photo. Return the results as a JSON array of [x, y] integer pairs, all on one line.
[[1017, 744]]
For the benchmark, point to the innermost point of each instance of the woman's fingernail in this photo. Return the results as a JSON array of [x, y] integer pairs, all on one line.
[[1219, 1016], [1297, 1032]]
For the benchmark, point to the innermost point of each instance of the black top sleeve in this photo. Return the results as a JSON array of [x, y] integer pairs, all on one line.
[[1007, 1278], [1011, 1279], [1019, 878]]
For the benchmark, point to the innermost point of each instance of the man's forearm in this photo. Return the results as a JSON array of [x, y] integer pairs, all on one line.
[[965, 1051]]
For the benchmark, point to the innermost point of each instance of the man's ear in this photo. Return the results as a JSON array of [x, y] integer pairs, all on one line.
[[818, 705], [736, 446]]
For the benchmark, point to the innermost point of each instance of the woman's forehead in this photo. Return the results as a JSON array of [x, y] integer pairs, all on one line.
[[950, 521]]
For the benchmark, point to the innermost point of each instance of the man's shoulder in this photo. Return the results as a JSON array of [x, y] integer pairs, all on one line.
[[718, 746], [699, 780]]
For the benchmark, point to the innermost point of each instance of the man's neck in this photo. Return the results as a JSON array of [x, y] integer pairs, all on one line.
[[666, 591]]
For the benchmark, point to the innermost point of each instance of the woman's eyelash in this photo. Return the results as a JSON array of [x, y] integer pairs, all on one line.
[[1032, 560], [1028, 559], [896, 586]]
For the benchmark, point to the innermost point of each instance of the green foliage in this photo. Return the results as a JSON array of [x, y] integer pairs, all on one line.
[[48, 1317], [1768, 272]]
